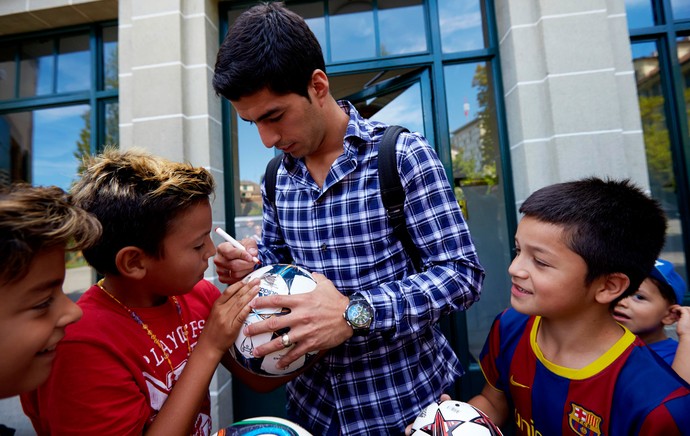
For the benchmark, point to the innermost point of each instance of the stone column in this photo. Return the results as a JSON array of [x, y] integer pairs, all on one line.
[[570, 93], [168, 106]]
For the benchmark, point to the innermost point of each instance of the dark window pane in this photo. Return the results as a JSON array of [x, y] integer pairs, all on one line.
[[73, 64], [110, 58], [8, 71], [475, 155], [37, 68], [639, 13], [657, 144], [462, 25], [352, 32], [683, 43], [112, 117], [401, 26]]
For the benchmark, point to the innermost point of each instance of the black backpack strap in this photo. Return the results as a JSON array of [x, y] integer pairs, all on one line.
[[270, 181], [393, 194]]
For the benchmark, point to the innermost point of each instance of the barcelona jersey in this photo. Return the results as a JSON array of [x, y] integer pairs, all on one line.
[[626, 391]]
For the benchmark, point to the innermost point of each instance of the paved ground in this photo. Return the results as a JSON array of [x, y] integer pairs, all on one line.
[[12, 416]]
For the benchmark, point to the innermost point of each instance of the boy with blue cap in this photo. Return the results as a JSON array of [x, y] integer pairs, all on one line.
[[657, 304]]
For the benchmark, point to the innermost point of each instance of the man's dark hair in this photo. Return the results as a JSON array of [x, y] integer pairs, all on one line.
[[613, 225], [268, 46]]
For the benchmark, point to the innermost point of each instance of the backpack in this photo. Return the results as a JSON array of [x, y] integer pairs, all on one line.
[[392, 193]]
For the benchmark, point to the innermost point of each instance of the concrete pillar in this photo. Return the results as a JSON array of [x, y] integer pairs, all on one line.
[[570, 93], [168, 106]]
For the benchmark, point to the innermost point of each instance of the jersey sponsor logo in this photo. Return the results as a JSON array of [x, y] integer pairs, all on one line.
[[584, 422], [514, 383]]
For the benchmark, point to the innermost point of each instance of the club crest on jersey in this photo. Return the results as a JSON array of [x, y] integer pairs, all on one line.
[[584, 422]]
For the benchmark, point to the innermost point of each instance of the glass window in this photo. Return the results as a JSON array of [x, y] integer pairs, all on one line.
[[37, 68], [639, 13], [112, 118], [73, 54], [8, 71], [401, 27], [352, 31], [658, 144], [683, 44], [403, 108], [43, 144], [253, 157], [110, 80], [475, 155], [681, 9], [462, 25]]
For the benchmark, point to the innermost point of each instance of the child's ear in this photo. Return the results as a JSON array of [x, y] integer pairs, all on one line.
[[612, 286], [672, 316], [130, 262]]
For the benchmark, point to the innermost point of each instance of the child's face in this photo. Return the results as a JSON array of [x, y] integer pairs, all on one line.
[[186, 250], [33, 315], [548, 277], [642, 312]]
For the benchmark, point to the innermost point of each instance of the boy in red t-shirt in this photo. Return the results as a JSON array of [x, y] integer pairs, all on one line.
[[153, 331]]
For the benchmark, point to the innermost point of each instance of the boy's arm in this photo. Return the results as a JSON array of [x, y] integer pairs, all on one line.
[[179, 412], [492, 402], [681, 362]]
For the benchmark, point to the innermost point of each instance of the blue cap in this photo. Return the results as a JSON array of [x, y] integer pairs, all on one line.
[[664, 272]]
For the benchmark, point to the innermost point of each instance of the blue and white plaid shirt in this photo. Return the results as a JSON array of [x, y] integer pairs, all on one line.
[[379, 383]]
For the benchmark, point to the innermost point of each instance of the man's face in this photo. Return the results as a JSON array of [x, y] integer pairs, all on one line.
[[291, 123]]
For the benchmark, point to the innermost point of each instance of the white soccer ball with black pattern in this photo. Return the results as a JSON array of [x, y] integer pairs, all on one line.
[[453, 418], [281, 279]]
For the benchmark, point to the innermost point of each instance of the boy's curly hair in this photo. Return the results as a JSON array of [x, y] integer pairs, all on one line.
[[36, 218], [135, 196]]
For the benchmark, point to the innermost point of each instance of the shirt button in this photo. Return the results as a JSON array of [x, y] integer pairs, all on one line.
[[338, 376], [324, 247]]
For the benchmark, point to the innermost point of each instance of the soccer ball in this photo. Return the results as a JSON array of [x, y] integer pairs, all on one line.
[[453, 418], [279, 279], [264, 426]]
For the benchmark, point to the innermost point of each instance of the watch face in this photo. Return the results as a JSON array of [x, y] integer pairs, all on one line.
[[360, 314]]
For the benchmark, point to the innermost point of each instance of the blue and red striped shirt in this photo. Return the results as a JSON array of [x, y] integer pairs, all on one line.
[[628, 390]]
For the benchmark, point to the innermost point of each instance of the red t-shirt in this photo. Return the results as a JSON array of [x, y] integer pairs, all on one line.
[[108, 376]]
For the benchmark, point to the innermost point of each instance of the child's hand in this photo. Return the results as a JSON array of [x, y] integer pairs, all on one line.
[[233, 264], [227, 317], [683, 314]]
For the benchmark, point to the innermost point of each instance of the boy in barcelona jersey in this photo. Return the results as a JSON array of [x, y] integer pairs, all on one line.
[[557, 362], [153, 330]]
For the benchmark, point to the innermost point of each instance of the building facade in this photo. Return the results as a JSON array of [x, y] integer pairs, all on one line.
[[515, 95]]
